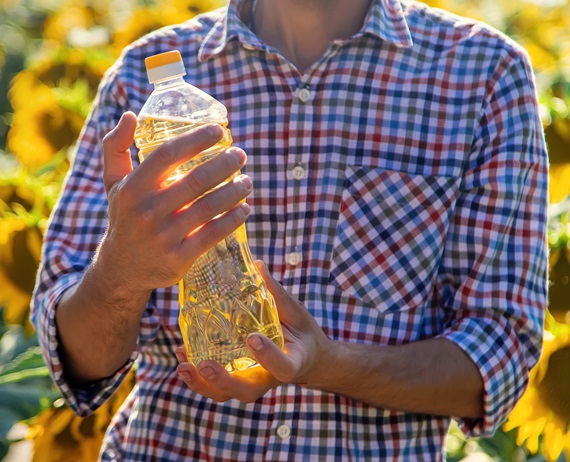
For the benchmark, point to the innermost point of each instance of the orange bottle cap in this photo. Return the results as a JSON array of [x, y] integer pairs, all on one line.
[[164, 66], [162, 59]]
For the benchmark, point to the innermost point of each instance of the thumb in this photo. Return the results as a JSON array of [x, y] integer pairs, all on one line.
[[116, 150], [290, 309]]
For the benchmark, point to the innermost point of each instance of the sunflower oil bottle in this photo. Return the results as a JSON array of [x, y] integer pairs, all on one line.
[[222, 296]]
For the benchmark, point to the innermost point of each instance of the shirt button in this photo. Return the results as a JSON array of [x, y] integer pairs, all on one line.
[[294, 258], [304, 95], [283, 432], [298, 172]]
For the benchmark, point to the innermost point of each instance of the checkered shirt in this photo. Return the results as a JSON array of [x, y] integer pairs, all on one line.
[[400, 194]]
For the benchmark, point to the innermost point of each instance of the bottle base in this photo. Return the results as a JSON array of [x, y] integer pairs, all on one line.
[[237, 358]]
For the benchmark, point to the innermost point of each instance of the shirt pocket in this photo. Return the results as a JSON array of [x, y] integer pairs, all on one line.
[[390, 235]]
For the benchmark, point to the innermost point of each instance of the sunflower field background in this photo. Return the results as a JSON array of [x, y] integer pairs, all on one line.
[[53, 54]]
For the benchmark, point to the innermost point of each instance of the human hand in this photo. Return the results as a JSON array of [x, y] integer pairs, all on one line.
[[305, 359], [157, 230]]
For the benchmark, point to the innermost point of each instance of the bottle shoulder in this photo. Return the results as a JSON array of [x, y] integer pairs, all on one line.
[[181, 100]]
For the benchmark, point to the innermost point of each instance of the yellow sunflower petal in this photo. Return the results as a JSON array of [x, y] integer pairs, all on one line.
[[61, 419], [525, 431], [553, 441], [75, 428], [16, 302], [559, 187], [532, 443]]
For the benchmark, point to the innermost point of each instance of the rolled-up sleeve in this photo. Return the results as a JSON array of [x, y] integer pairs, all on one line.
[[493, 277], [74, 231]]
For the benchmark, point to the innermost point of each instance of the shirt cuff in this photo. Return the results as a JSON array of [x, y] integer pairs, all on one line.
[[83, 401], [494, 348]]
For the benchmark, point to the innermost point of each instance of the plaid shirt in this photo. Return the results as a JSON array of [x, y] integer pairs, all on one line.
[[400, 194]]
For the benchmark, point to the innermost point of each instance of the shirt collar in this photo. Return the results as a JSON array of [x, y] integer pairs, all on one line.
[[385, 20]]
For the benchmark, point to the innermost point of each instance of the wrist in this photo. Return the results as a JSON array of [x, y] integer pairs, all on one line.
[[344, 370], [115, 286], [329, 369]]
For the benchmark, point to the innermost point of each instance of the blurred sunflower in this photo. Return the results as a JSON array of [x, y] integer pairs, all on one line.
[[63, 85], [543, 412], [189, 8], [559, 291], [68, 18], [141, 21], [41, 128], [558, 143], [20, 250], [62, 68], [18, 190], [147, 19], [25, 204], [559, 187], [61, 436]]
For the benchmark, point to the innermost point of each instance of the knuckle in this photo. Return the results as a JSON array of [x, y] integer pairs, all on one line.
[[213, 234], [165, 153], [206, 207], [123, 191], [145, 213], [231, 161], [196, 181], [238, 217]]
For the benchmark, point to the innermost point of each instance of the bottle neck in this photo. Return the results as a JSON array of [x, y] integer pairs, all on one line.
[[170, 82]]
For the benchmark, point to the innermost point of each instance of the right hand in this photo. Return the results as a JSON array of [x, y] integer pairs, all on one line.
[[157, 231]]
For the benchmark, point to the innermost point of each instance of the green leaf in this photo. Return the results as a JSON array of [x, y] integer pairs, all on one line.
[[23, 375], [31, 359], [14, 342]]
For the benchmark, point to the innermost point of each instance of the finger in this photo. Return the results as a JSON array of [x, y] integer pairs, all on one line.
[[214, 231], [276, 289], [116, 150], [204, 177], [289, 309], [247, 385], [284, 367], [211, 205], [158, 166], [192, 378]]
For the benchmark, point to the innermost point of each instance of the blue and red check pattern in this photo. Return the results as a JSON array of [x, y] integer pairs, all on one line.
[[420, 213]]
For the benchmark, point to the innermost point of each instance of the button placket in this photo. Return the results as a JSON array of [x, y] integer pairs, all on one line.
[[301, 122]]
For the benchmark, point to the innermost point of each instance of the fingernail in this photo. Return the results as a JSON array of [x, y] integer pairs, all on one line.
[[181, 357], [239, 154], [246, 182], [246, 209], [255, 342], [214, 130], [208, 373]]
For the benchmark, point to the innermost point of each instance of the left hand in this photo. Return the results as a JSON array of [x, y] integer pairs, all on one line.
[[305, 359]]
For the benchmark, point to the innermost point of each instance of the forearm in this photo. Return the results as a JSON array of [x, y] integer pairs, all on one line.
[[432, 377], [97, 325]]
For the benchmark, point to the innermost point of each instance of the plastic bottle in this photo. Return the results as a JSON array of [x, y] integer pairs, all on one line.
[[222, 296]]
